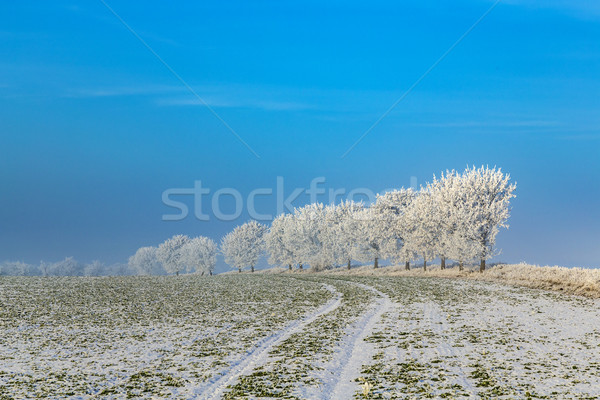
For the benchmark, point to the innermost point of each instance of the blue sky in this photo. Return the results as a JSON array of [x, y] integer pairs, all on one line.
[[93, 128]]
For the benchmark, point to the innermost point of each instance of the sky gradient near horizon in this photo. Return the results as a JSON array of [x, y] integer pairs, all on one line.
[[93, 127]]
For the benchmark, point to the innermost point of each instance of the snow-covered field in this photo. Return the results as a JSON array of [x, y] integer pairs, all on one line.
[[305, 336]]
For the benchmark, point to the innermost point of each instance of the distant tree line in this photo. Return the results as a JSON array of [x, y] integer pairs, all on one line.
[[67, 267]]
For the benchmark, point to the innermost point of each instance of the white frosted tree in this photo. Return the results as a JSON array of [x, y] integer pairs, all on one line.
[[310, 236], [95, 268], [200, 255], [44, 268], [424, 218], [487, 192], [243, 246], [169, 254], [341, 231], [448, 198], [456, 233], [16, 268], [145, 262], [461, 247], [67, 267], [390, 209], [374, 240], [279, 242]]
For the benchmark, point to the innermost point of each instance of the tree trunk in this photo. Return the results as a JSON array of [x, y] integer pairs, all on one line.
[[252, 268], [300, 266], [290, 267], [460, 266], [443, 263], [177, 273], [482, 265], [376, 264], [239, 270], [210, 273], [407, 266], [349, 263], [424, 264]]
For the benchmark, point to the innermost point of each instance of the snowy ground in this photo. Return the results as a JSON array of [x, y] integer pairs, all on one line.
[[294, 337]]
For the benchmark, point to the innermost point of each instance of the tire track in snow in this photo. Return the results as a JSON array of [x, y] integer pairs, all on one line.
[[354, 351], [259, 353]]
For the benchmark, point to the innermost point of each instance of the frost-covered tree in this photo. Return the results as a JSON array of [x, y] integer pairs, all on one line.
[[200, 255], [44, 268], [279, 242], [17, 268], [67, 267], [310, 236], [390, 209], [95, 268], [169, 254], [448, 197], [456, 234], [341, 231], [487, 192], [461, 247], [424, 218], [243, 246], [374, 240], [145, 262]]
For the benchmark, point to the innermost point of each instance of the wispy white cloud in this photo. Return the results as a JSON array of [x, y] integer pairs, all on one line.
[[491, 124], [224, 96], [226, 102], [122, 91]]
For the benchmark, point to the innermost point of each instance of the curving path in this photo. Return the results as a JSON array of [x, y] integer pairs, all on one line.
[[354, 351], [215, 387]]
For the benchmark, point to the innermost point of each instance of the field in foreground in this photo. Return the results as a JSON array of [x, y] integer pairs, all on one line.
[[312, 336]]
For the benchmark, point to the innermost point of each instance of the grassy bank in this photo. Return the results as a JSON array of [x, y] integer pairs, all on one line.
[[577, 281]]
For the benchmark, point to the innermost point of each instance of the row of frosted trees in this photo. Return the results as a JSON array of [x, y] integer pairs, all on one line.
[[455, 217], [242, 248], [176, 255]]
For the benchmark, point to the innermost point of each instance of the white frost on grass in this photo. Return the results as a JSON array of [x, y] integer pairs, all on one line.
[[243, 336], [142, 337], [260, 353], [297, 367], [479, 340]]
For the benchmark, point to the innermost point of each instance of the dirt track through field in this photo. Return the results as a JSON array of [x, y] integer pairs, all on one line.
[[354, 351], [245, 364], [335, 367]]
